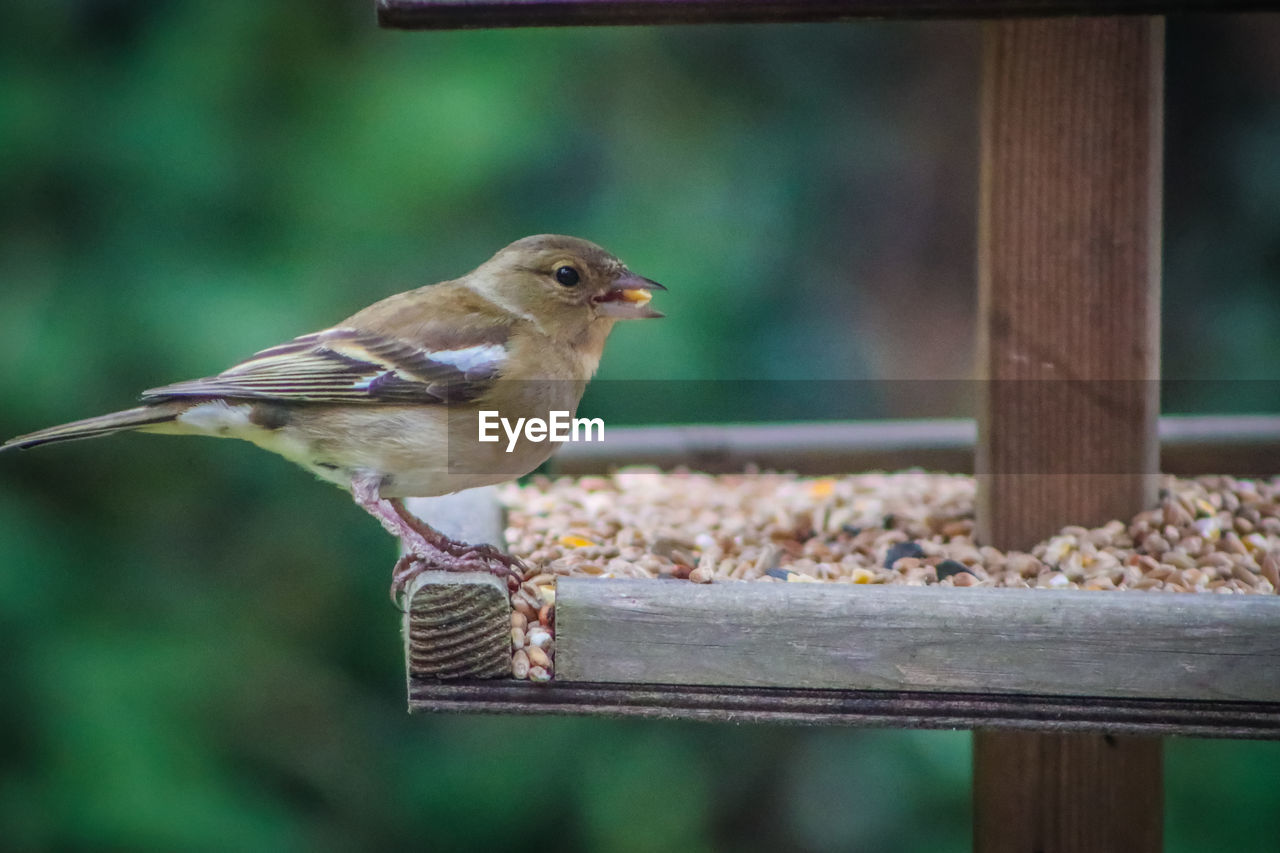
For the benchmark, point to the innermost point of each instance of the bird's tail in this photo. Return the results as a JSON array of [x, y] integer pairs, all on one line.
[[143, 416]]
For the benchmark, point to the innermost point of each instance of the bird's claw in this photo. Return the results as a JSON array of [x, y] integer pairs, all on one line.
[[406, 569], [511, 566]]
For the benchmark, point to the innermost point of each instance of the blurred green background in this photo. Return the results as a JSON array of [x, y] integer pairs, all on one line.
[[198, 651]]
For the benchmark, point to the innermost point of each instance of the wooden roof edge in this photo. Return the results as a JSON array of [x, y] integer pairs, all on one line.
[[486, 14]]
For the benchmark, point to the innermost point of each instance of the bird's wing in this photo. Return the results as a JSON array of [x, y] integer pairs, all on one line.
[[347, 365]]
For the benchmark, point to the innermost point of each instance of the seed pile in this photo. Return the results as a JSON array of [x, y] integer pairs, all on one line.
[[1211, 534]]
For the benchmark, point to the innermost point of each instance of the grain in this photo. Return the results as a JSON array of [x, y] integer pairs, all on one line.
[[520, 665], [537, 657]]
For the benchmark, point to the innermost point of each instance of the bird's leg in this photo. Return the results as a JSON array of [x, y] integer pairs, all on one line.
[[364, 489], [422, 542], [514, 566]]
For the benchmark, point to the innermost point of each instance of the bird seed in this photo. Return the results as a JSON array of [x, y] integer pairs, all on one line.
[[1213, 535]]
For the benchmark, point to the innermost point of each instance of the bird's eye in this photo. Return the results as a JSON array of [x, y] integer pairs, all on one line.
[[567, 276]]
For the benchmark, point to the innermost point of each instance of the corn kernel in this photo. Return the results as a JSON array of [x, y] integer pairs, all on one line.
[[822, 488]]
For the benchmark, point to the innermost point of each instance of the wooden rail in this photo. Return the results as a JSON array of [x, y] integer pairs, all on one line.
[[854, 637], [1246, 445], [897, 709]]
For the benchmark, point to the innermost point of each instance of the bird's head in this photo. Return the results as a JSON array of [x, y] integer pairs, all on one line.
[[565, 284]]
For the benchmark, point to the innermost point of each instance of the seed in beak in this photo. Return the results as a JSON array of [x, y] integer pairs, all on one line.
[[637, 295]]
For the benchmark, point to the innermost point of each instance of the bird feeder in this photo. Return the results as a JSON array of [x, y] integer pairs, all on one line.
[[1068, 692]]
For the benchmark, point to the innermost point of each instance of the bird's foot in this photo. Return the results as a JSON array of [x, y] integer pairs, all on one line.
[[508, 566], [452, 556], [428, 548], [409, 566], [510, 570]]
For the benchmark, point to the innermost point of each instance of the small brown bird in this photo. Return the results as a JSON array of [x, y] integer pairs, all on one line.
[[387, 403]]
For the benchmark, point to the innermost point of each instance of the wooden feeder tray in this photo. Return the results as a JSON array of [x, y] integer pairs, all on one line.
[[855, 653]]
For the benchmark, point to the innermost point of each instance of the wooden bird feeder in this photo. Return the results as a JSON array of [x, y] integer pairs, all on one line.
[[1068, 693]]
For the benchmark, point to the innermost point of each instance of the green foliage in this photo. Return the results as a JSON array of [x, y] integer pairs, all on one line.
[[198, 648]]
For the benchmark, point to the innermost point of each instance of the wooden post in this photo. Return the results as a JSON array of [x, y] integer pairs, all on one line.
[[1052, 792], [458, 625], [1068, 274], [1068, 269]]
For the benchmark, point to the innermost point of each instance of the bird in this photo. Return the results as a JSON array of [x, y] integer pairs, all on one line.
[[386, 403]]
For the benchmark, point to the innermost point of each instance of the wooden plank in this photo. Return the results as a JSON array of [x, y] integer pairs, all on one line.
[[470, 14], [850, 637], [1068, 274], [1243, 445], [890, 709], [1049, 776]]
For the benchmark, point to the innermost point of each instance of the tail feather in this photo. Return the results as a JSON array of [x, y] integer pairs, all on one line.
[[143, 416]]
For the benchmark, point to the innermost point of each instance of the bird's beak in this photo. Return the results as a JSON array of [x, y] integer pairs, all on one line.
[[628, 298]]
